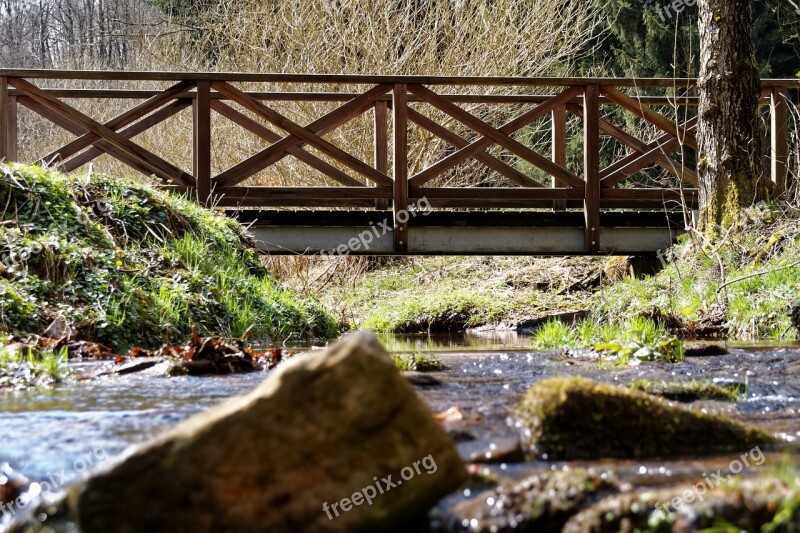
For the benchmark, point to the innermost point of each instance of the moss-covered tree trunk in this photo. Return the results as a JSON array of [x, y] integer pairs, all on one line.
[[730, 166]]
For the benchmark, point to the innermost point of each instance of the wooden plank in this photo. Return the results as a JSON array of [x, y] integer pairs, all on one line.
[[484, 142], [270, 136], [307, 193], [311, 96], [65, 152], [648, 195], [299, 135], [201, 143], [459, 142], [640, 147], [400, 159], [779, 140], [76, 129], [130, 132], [13, 128], [646, 112], [144, 158], [591, 168], [4, 118], [496, 193], [361, 79], [380, 143], [558, 144]]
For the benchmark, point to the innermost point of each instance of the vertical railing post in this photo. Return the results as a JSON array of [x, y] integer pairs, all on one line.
[[400, 159], [591, 168], [559, 148], [201, 146], [779, 133], [4, 122], [13, 128], [381, 144]]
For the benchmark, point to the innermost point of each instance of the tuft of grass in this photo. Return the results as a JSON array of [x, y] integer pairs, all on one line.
[[418, 362], [41, 366], [635, 340]]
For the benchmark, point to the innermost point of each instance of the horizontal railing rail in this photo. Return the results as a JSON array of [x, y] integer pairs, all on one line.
[[397, 104]]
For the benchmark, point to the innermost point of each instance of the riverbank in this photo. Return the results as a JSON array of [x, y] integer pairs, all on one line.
[[113, 261], [746, 286]]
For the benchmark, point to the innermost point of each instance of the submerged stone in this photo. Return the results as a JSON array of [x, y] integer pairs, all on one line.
[[576, 418], [541, 503], [746, 505], [334, 440]]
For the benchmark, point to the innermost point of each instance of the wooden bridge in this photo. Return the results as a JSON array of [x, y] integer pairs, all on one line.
[[563, 201]]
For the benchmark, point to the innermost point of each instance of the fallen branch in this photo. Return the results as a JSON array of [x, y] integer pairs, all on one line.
[[731, 282]]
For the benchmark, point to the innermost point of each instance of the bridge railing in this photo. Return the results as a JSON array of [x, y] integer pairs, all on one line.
[[396, 103]]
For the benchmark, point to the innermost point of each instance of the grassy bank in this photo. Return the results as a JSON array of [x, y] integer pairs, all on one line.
[[745, 286], [126, 264], [434, 294]]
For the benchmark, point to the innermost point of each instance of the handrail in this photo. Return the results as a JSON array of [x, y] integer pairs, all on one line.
[[397, 104], [364, 79]]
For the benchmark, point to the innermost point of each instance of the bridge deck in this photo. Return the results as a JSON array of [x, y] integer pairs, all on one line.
[[458, 233]]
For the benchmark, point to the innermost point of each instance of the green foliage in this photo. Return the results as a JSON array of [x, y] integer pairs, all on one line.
[[46, 365], [758, 270], [127, 264], [631, 341], [418, 362]]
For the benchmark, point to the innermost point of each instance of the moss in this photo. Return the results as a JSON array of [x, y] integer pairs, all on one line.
[[128, 264], [575, 418], [690, 391]]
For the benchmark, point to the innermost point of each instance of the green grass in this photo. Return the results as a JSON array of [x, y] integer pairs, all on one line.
[[418, 362], [633, 340], [127, 265], [46, 365], [757, 262]]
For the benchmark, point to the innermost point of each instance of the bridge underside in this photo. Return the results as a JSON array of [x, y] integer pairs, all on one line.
[[458, 233]]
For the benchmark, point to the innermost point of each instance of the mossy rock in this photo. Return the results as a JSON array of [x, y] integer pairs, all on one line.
[[576, 418], [690, 391]]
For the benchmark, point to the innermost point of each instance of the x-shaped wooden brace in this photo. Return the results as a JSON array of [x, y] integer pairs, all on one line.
[[643, 155], [299, 135], [104, 137], [491, 135]]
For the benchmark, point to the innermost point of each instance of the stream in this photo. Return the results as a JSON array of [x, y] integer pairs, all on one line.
[[55, 435]]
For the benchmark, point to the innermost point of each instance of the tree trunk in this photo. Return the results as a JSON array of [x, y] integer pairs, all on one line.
[[730, 165]]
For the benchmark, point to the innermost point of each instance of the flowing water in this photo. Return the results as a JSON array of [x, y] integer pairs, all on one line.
[[54, 435]]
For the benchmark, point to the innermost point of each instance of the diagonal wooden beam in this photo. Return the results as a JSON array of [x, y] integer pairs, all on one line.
[[75, 129], [128, 117], [270, 136], [459, 142], [142, 125], [619, 171], [647, 113], [492, 135], [662, 160], [143, 157], [298, 135]]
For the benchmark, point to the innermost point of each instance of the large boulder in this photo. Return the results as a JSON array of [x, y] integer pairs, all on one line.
[[576, 418], [334, 440]]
